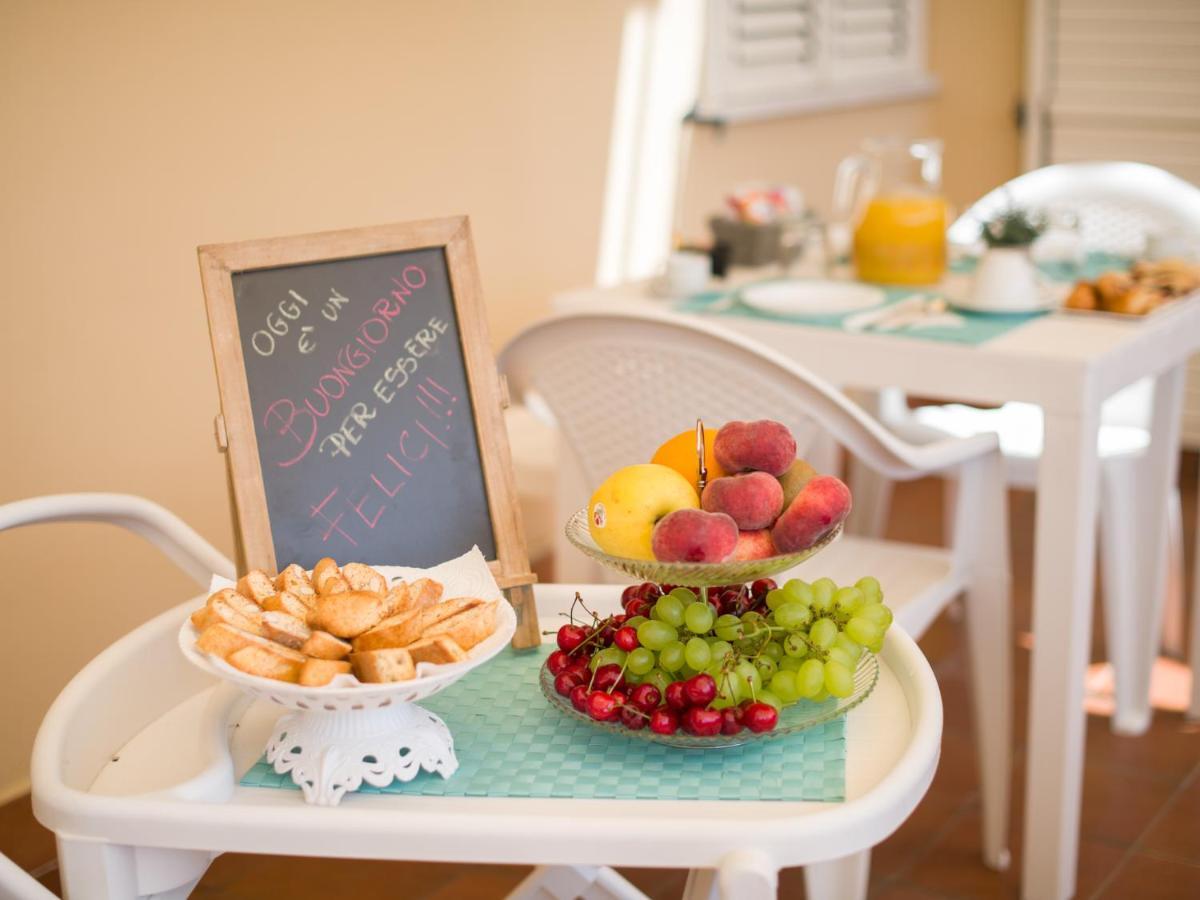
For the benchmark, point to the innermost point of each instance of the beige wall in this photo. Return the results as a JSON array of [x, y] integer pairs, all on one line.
[[135, 131]]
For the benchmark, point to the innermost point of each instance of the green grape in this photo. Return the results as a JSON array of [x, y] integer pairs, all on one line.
[[722, 702], [853, 650], [848, 599], [870, 588], [669, 609], [633, 678], [799, 591], [777, 598], [728, 627], [697, 653], [698, 617], [838, 680], [613, 655], [738, 686], [793, 616], [658, 678], [685, 595], [822, 632], [783, 685], [823, 590], [640, 661], [795, 646], [774, 650], [810, 678], [749, 673], [635, 621], [766, 667], [837, 654], [876, 613], [670, 657], [753, 620], [747, 646], [720, 649], [655, 635], [771, 699], [821, 696], [791, 664], [687, 671], [863, 631]]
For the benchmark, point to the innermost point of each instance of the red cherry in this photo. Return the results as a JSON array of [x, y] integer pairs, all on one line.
[[645, 697], [629, 594], [731, 719], [607, 677], [676, 696], [702, 722], [626, 638], [632, 719], [558, 662], [579, 695], [664, 721], [763, 586], [700, 690], [565, 682], [759, 717], [601, 706], [621, 697], [650, 592], [638, 607], [570, 637]]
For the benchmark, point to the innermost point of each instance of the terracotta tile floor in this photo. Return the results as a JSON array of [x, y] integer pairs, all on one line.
[[1141, 807]]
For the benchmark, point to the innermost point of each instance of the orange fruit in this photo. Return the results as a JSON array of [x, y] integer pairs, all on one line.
[[680, 454]]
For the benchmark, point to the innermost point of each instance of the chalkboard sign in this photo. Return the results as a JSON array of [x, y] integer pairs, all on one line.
[[362, 409]]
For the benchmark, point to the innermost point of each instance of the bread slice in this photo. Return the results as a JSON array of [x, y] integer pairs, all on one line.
[[437, 650], [257, 585], [348, 614], [285, 629], [223, 640], [221, 611], [296, 581], [245, 606], [286, 601], [425, 592], [334, 584], [380, 666], [469, 627], [398, 599], [323, 645], [407, 627], [265, 662], [318, 672], [364, 578], [324, 570]]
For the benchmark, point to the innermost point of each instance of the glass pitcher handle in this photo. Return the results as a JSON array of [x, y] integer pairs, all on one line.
[[848, 186]]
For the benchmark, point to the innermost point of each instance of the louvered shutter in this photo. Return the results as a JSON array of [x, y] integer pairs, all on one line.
[[775, 57]]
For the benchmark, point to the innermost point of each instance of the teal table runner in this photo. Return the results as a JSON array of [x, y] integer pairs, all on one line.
[[511, 743]]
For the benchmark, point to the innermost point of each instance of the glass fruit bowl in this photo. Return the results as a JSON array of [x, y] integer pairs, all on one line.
[[799, 716], [690, 574]]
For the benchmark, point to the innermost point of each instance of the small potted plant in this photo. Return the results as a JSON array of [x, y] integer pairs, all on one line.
[[1007, 280]]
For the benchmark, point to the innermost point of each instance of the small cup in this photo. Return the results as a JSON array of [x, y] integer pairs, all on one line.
[[687, 273]]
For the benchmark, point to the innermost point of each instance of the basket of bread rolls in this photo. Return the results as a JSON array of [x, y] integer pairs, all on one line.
[[1146, 287]]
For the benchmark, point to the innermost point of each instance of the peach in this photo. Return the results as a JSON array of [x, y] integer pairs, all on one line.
[[821, 506], [753, 500], [799, 474], [762, 446], [693, 535], [753, 545]]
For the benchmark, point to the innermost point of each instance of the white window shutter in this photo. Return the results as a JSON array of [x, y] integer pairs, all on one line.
[[778, 57]]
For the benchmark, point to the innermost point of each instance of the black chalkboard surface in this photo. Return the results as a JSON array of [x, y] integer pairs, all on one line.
[[362, 411]]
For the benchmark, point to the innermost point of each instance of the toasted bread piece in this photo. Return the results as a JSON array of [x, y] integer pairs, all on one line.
[[286, 629], [1136, 302], [425, 592], [257, 585], [286, 601], [221, 610], [291, 572], [222, 640], [1111, 286], [407, 627], [437, 650], [1082, 297], [324, 570], [348, 614], [334, 584], [265, 662], [399, 599], [318, 672], [244, 605], [363, 578], [469, 627], [296, 581], [393, 664], [323, 645]]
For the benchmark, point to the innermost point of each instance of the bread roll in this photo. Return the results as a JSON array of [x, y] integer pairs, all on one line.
[[348, 614]]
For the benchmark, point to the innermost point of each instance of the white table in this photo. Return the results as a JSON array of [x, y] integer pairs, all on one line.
[[136, 764], [1067, 364]]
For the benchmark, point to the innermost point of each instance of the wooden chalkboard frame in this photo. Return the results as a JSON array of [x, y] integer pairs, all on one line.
[[236, 432]]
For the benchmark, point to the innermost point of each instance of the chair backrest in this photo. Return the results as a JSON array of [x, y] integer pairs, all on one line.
[[618, 385], [1118, 203]]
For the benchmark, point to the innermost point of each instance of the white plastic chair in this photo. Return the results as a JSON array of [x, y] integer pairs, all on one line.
[[617, 385], [1119, 204]]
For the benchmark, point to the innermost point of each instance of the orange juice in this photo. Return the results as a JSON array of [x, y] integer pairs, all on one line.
[[902, 239]]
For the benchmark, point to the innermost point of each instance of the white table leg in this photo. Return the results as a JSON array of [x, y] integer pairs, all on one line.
[[1062, 629], [94, 870], [747, 875], [838, 879], [570, 882]]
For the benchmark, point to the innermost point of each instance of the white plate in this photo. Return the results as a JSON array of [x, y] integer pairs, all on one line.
[[811, 297], [957, 292]]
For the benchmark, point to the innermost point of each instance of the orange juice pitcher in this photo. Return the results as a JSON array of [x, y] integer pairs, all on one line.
[[889, 195]]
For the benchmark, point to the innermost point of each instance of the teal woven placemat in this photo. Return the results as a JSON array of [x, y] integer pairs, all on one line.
[[977, 329], [511, 743]]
